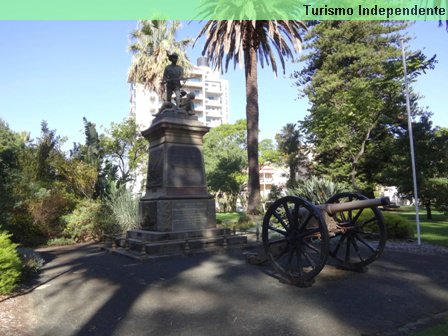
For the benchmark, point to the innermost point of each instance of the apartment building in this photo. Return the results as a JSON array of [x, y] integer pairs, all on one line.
[[211, 104]]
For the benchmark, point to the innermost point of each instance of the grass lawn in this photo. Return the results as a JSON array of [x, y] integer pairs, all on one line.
[[228, 217], [434, 231], [438, 330], [236, 221]]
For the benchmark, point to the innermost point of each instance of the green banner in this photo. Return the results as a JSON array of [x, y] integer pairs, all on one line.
[[223, 10]]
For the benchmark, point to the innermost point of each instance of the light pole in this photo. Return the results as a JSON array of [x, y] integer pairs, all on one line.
[[411, 141]]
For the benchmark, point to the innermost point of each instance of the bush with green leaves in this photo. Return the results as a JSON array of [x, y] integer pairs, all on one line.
[[48, 206], [316, 189], [10, 265], [275, 193], [88, 221], [60, 241], [123, 206], [32, 262], [397, 227]]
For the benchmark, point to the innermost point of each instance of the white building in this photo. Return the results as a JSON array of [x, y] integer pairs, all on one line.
[[392, 193], [211, 104], [272, 175]]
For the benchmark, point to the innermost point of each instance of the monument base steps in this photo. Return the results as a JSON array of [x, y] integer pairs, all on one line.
[[147, 245]]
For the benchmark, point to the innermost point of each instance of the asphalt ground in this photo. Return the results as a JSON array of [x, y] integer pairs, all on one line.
[[84, 290]]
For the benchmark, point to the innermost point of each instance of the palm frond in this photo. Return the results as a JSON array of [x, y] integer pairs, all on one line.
[[150, 44]]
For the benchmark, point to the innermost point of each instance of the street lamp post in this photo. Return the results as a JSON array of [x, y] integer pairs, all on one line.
[[411, 141]]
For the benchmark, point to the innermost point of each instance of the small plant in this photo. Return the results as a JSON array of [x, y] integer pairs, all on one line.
[[316, 189], [10, 266], [124, 209], [32, 262], [61, 241]]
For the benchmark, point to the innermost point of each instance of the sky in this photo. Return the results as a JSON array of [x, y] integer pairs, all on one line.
[[62, 71]]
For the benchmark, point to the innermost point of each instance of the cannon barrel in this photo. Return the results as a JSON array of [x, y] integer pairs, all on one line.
[[332, 208]]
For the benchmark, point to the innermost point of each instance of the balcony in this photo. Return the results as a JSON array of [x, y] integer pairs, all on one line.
[[213, 90], [212, 102]]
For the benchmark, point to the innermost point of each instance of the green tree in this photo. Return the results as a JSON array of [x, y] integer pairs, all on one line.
[[126, 149], [268, 152], [88, 158], [39, 192], [431, 156], [247, 42], [48, 146], [354, 80], [288, 141], [225, 161], [150, 43], [10, 147], [80, 178]]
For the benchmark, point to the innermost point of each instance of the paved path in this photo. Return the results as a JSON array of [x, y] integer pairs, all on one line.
[[87, 291]]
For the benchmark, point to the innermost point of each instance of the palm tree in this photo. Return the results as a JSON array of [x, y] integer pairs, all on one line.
[[246, 42], [150, 43]]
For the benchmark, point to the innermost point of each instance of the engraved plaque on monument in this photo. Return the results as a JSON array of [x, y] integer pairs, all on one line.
[[176, 197], [185, 166]]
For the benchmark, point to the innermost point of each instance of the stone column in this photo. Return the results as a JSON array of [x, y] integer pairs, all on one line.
[[176, 197]]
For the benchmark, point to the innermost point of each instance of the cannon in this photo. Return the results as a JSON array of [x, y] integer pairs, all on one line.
[[298, 236]]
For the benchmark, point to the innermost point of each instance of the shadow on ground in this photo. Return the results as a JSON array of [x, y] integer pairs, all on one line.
[[220, 294]]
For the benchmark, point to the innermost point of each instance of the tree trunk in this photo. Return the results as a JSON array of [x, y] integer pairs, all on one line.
[[355, 158], [252, 116], [292, 175], [428, 210]]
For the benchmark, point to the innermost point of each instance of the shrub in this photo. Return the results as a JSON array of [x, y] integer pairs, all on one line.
[[47, 207], [61, 241], [88, 221], [275, 193], [397, 226], [10, 267], [32, 262], [23, 228], [316, 189], [124, 208]]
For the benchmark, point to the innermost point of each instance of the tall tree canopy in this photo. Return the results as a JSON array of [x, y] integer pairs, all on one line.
[[354, 80], [247, 42]]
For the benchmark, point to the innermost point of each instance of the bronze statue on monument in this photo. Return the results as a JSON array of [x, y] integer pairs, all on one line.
[[173, 76]]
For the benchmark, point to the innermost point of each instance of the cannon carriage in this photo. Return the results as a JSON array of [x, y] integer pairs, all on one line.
[[298, 236]]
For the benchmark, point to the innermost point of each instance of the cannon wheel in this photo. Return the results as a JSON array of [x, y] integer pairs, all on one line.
[[360, 236], [295, 239]]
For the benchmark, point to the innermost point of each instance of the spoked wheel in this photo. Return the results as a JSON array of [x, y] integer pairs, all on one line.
[[360, 236], [295, 239]]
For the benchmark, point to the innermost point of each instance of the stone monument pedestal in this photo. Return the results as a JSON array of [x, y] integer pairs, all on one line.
[[176, 197]]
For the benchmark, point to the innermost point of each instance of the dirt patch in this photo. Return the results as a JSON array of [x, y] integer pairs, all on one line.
[[14, 316]]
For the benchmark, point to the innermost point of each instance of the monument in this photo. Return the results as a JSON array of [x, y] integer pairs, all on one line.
[[176, 197], [176, 214]]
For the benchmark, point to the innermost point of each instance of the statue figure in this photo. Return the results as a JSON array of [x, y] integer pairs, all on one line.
[[186, 103], [171, 76]]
